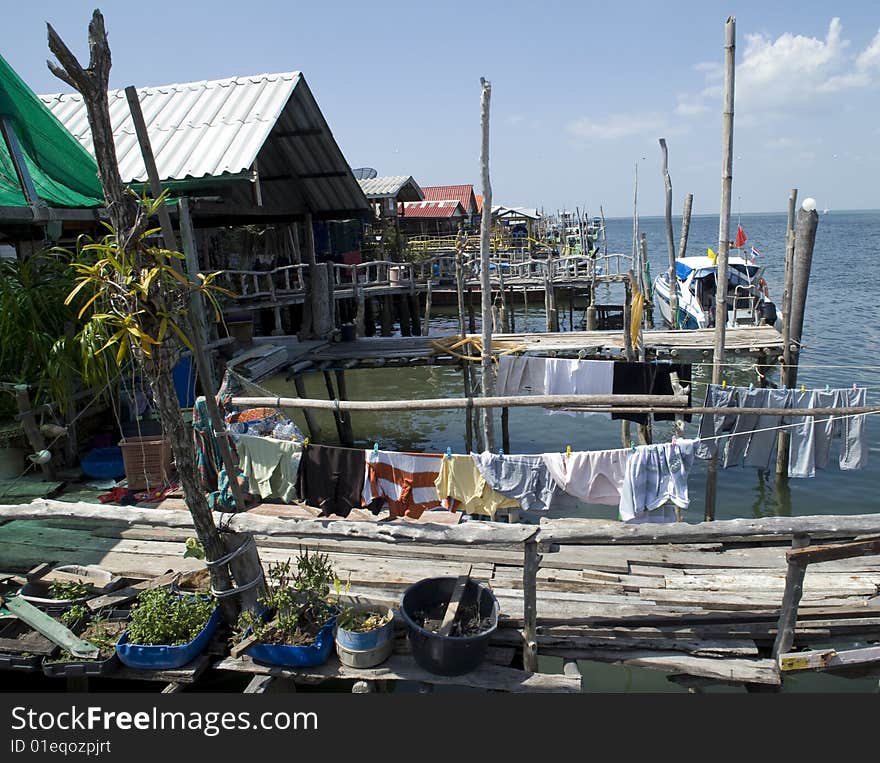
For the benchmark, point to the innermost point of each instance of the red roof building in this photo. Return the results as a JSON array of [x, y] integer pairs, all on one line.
[[430, 216], [463, 194]]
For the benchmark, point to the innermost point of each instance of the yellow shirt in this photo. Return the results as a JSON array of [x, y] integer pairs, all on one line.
[[459, 479]]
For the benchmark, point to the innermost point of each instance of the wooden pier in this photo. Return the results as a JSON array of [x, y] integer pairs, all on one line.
[[701, 603]]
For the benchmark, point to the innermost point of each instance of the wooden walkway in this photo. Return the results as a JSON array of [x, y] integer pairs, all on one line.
[[762, 344], [697, 602]]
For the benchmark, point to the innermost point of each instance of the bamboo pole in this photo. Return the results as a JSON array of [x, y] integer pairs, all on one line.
[[670, 239], [723, 239], [783, 439], [805, 239], [674, 403], [485, 283]]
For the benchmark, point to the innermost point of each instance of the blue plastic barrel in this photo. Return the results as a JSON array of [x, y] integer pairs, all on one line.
[[185, 382]]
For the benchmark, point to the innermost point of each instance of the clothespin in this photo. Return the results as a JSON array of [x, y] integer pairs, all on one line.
[[723, 383], [376, 448], [632, 445], [568, 451], [449, 453], [802, 387], [827, 388], [500, 452], [306, 442], [854, 387], [751, 386]]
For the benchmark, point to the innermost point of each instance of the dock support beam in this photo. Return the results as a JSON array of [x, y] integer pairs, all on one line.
[[531, 562]]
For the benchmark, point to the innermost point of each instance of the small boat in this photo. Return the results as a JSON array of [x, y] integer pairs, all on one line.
[[748, 297]]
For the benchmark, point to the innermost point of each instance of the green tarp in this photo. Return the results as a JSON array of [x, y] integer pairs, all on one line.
[[63, 172]]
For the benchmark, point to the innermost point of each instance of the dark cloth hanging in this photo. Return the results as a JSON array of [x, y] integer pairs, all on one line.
[[331, 478], [636, 378]]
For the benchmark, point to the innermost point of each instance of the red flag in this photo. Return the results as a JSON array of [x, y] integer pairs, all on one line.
[[740, 237]]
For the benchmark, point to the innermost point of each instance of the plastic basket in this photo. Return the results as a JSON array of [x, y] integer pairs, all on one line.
[[147, 461]]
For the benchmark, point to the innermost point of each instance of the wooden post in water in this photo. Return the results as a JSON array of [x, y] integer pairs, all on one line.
[[311, 422], [670, 239], [345, 416], [723, 239], [404, 315], [337, 415], [465, 364], [783, 438], [472, 318], [485, 283], [425, 324], [685, 225], [387, 324]]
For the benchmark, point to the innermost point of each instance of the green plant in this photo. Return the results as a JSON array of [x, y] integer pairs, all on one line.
[[76, 612], [297, 601], [163, 617], [67, 590], [100, 631], [352, 618]]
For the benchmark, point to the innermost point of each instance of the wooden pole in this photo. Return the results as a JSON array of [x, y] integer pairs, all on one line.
[[531, 563], [203, 364], [472, 318], [404, 317], [726, 183], [794, 588], [426, 323], [670, 239], [783, 438], [685, 225], [505, 429], [311, 422], [805, 239], [723, 240], [31, 429], [346, 415], [337, 410], [200, 318], [485, 283], [387, 325]]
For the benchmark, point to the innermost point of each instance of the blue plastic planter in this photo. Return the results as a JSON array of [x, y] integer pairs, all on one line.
[[287, 656], [163, 656]]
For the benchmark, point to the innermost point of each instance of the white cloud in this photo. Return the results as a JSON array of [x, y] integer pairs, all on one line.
[[690, 109], [616, 126], [869, 58]]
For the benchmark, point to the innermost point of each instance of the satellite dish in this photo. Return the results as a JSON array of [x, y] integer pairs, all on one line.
[[365, 173]]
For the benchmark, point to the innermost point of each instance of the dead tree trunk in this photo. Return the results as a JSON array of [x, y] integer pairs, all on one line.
[[127, 224]]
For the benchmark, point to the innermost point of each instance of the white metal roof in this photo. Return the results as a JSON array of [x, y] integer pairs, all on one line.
[[391, 186], [222, 127]]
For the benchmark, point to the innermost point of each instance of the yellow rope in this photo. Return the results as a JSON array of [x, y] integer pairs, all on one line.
[[450, 345]]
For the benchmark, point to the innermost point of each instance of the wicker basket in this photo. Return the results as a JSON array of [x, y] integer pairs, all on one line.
[[147, 461]]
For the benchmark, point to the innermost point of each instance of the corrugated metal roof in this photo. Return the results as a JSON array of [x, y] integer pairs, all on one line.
[[464, 194], [391, 186], [433, 209], [222, 127]]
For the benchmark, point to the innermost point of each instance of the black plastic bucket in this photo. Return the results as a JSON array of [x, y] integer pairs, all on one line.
[[447, 655]]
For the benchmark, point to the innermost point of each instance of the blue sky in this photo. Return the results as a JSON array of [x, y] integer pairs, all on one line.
[[580, 90]]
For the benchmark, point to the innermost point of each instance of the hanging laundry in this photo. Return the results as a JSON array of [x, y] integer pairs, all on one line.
[[563, 376], [636, 378], [712, 426], [854, 453], [405, 481], [461, 486], [517, 373], [762, 444], [524, 479], [594, 476], [654, 475], [802, 441], [331, 478], [270, 466]]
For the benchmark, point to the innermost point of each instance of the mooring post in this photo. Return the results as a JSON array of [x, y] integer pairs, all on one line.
[[685, 225], [387, 326], [723, 240], [670, 239], [531, 563], [485, 282], [805, 240], [425, 324], [783, 439], [794, 588], [345, 416], [337, 414]]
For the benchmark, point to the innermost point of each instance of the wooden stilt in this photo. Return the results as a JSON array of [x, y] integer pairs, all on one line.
[[345, 416], [505, 429], [387, 324], [415, 313], [794, 588], [337, 415], [311, 423], [427, 321], [531, 563]]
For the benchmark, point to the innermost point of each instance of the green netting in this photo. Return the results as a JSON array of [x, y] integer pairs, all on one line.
[[64, 173]]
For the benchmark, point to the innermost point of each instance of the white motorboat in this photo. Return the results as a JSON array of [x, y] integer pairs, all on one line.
[[748, 297]]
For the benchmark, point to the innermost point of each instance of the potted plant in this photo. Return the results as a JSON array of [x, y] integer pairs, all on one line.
[[364, 634], [295, 629], [167, 630], [422, 608], [57, 596], [103, 630]]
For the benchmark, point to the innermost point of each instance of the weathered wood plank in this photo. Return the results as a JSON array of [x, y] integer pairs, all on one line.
[[822, 659], [401, 668]]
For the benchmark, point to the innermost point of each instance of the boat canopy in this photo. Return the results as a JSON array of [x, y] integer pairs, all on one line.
[[705, 266]]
